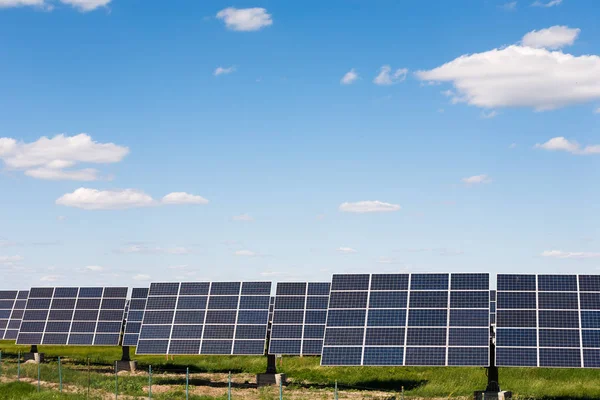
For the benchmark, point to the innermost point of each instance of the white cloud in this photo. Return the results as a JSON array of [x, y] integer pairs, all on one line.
[[141, 277], [510, 6], [245, 19], [385, 77], [243, 217], [93, 199], [223, 71], [86, 5], [183, 198], [368, 206], [10, 260], [49, 158], [50, 278], [386, 260], [519, 76], [512, 146], [245, 253], [597, 110], [21, 3], [562, 144], [489, 114], [184, 266], [61, 218], [87, 174], [554, 37], [347, 250], [476, 179], [569, 254], [550, 3], [144, 249], [94, 268], [349, 77]]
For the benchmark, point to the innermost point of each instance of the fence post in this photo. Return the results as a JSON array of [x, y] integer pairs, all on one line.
[[280, 388], [335, 392], [19, 366], [149, 381], [229, 386], [187, 383], [402, 393], [39, 374], [59, 376], [89, 379], [116, 382], [0, 362]]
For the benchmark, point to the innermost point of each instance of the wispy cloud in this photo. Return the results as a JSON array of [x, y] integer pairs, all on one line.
[[386, 77], [347, 250], [246, 253], [477, 179], [223, 70], [368, 206], [550, 3], [94, 268], [510, 6], [489, 114], [243, 217], [569, 254], [562, 144], [141, 277], [145, 249], [349, 77], [555, 37]]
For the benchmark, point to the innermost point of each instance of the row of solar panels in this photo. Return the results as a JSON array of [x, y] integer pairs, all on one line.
[[364, 319]]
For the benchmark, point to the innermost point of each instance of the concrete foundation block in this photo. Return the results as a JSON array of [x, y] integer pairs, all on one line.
[[483, 395], [33, 357], [270, 379], [130, 366]]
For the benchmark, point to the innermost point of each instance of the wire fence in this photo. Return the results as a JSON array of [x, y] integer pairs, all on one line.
[[90, 382]]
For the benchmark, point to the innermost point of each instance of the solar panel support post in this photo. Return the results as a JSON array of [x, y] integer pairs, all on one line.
[[493, 384], [59, 376], [125, 363], [19, 366]]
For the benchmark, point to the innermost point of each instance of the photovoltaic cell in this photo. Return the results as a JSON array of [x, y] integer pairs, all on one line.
[[299, 316], [204, 318], [12, 307], [548, 321], [91, 316], [408, 319]]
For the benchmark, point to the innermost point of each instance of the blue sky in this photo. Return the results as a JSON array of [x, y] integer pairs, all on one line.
[[240, 115]]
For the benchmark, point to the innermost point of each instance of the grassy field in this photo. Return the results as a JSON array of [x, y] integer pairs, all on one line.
[[307, 379]]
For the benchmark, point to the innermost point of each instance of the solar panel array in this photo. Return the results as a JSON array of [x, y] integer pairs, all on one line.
[[135, 314], [74, 316], [492, 307], [12, 306], [408, 319], [548, 321], [205, 318], [299, 318]]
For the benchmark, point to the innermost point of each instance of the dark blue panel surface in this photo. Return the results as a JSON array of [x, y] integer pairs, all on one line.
[[468, 318], [216, 347], [194, 289], [291, 289], [385, 318], [428, 300], [559, 338], [290, 302], [296, 317], [516, 318], [225, 288], [345, 317], [341, 356], [560, 357], [557, 283], [427, 317], [426, 337], [256, 288], [383, 356], [591, 338], [465, 356], [388, 299], [470, 282], [280, 346], [516, 357], [558, 319], [429, 282], [590, 319], [286, 332], [350, 282], [384, 337], [251, 332], [591, 358], [318, 288], [589, 283], [312, 347], [152, 346], [184, 347], [249, 347], [344, 336], [468, 337], [317, 302], [516, 337], [187, 332], [346, 300], [389, 282], [469, 299], [516, 300], [516, 282], [557, 301], [425, 356]]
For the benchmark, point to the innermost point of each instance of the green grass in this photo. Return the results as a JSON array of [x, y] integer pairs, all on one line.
[[304, 373]]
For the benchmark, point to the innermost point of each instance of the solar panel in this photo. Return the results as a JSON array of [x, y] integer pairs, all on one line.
[[299, 316], [492, 307], [135, 315], [408, 319], [90, 316], [12, 306], [205, 318], [548, 321]]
